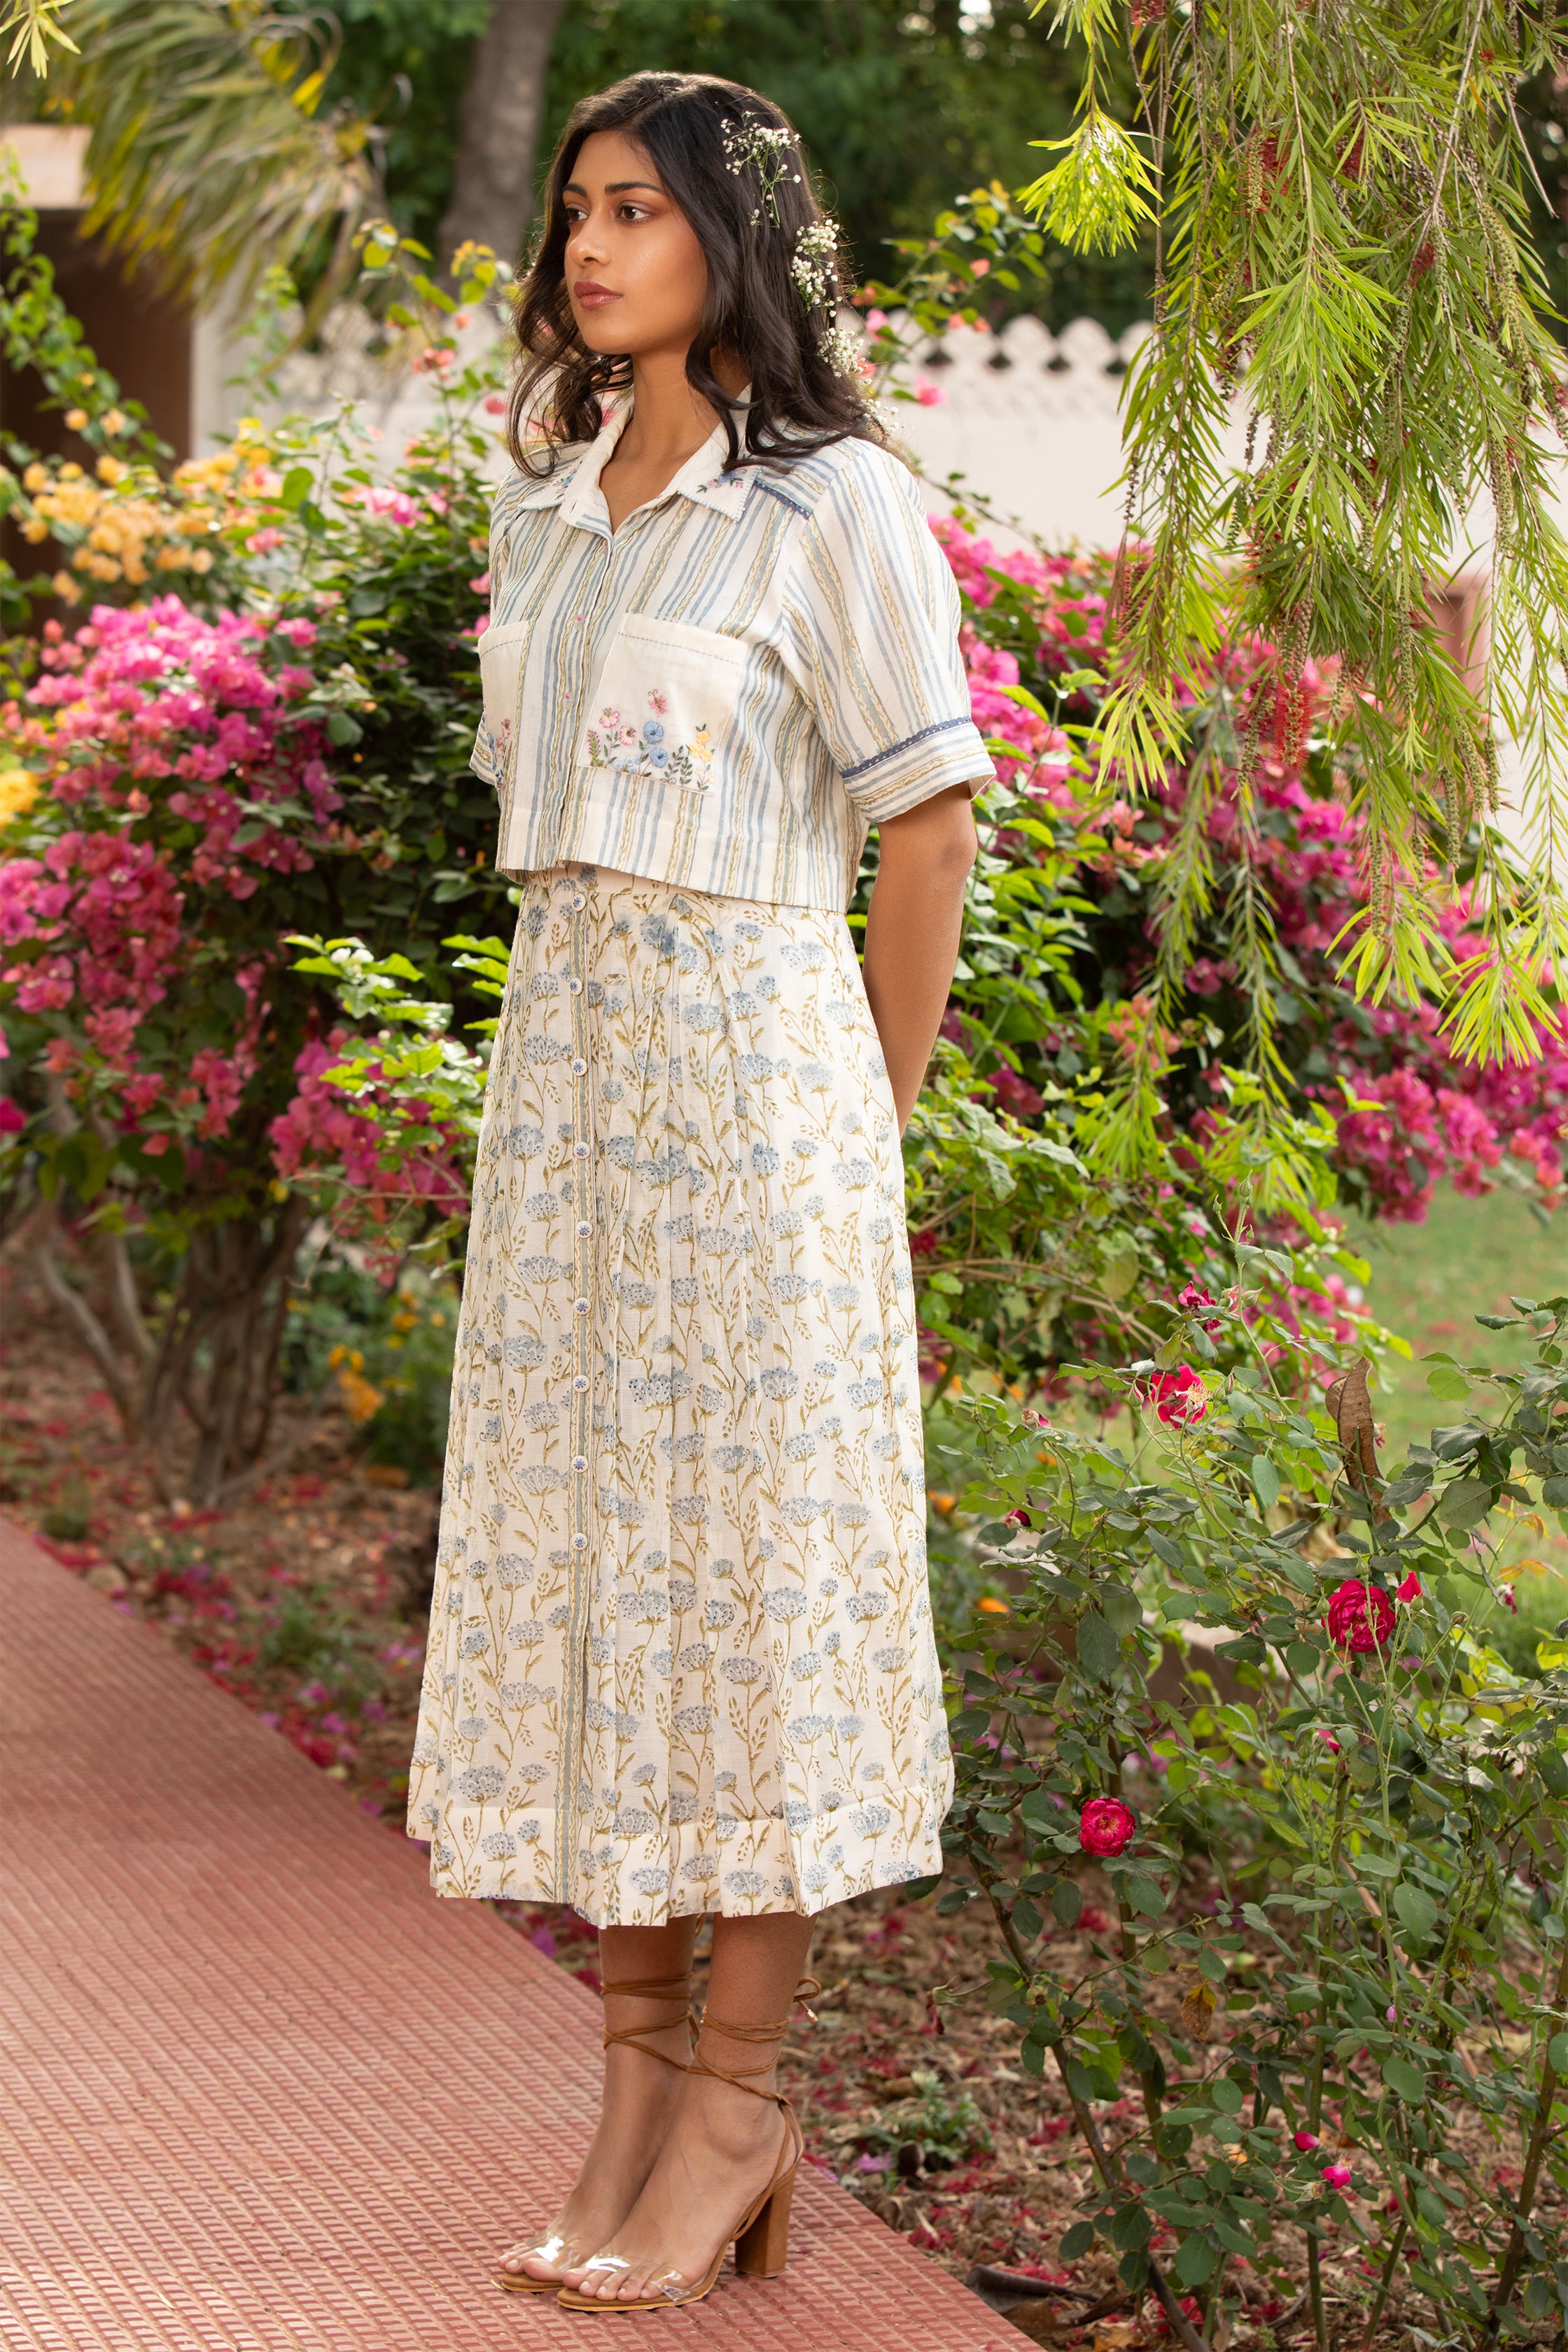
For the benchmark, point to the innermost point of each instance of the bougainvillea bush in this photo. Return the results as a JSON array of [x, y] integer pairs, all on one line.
[[183, 813], [1382, 1803], [1040, 653]]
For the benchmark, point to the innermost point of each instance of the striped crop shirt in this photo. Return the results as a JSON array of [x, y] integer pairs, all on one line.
[[730, 689]]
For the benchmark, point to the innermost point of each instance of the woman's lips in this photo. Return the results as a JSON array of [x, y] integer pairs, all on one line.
[[591, 296]]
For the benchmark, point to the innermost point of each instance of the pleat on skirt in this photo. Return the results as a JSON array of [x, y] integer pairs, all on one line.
[[681, 1655]]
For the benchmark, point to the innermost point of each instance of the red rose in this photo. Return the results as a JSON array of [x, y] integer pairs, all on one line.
[[1360, 1617], [1106, 1825], [1179, 1395], [1410, 1590]]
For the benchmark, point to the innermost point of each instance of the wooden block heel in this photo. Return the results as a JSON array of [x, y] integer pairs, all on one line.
[[763, 2249]]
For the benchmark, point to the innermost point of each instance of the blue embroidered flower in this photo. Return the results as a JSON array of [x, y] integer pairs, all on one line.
[[653, 730]]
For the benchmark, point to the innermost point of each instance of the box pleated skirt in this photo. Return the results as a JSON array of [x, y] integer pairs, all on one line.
[[682, 1656]]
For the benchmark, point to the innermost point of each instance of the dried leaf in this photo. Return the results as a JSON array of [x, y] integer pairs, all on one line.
[[1350, 1402], [1197, 2009]]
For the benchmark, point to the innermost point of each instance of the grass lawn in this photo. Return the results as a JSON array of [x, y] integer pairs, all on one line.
[[1428, 1283]]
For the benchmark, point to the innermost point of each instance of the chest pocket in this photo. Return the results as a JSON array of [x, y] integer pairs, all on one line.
[[501, 649], [664, 706]]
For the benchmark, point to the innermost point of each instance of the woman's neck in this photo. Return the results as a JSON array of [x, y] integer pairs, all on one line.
[[670, 420]]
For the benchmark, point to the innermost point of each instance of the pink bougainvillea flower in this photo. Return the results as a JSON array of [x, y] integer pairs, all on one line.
[[1106, 1825], [1306, 2141], [1338, 2175], [1410, 1589], [1179, 1396], [1359, 1618]]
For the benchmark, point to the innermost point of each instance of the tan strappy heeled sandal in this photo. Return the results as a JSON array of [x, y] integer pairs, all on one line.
[[761, 2235], [558, 2250]]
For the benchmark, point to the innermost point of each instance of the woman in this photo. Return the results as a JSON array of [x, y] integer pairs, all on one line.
[[681, 1655]]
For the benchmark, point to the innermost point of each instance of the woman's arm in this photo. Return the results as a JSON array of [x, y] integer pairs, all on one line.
[[911, 932]]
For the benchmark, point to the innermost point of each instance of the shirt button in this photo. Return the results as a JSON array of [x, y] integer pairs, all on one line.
[[579, 1151], [579, 1462], [575, 988], [579, 902], [579, 1067], [583, 1229], [582, 1305], [580, 1383], [578, 1543]]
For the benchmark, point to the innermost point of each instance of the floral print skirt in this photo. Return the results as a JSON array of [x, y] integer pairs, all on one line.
[[681, 1655]]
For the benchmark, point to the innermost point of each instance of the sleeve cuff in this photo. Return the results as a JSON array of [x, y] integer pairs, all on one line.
[[951, 751], [482, 758]]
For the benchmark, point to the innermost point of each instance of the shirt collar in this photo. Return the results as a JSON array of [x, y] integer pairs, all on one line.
[[702, 478]]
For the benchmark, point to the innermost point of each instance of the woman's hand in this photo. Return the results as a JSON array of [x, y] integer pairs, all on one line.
[[911, 932]]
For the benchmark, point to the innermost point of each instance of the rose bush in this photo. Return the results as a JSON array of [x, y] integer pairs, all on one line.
[[1382, 1803]]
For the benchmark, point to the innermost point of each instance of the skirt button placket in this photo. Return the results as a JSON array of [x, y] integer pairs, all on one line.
[[583, 1321]]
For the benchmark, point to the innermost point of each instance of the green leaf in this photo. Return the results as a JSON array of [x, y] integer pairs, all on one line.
[[1098, 1648], [1227, 2096], [1417, 1911], [296, 488], [1408, 2082], [1077, 2241], [1195, 2259], [1026, 1919], [1163, 1549], [1557, 2055], [1265, 1481], [1145, 1895], [1067, 1903], [1447, 1384], [1302, 1657]]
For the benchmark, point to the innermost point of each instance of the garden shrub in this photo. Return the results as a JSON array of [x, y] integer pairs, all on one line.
[[1382, 1807]]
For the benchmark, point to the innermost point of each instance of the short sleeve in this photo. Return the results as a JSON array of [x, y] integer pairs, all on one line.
[[502, 641], [876, 615]]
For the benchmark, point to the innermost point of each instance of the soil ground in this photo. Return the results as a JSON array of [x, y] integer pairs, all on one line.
[[305, 1599]]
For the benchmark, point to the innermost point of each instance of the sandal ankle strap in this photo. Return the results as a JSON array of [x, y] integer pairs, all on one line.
[[737, 2076], [675, 1990]]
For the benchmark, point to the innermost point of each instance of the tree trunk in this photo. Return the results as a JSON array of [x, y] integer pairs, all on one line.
[[498, 130]]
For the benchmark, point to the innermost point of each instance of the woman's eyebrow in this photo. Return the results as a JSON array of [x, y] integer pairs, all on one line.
[[611, 187]]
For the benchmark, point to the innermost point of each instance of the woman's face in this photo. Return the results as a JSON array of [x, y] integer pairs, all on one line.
[[635, 272]]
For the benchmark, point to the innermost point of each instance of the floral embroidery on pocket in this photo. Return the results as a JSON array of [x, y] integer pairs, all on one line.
[[643, 750]]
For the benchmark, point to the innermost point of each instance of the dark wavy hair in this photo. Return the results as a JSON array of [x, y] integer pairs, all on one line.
[[755, 308]]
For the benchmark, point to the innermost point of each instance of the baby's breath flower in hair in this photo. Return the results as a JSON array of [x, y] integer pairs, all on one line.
[[813, 264], [844, 351], [753, 146]]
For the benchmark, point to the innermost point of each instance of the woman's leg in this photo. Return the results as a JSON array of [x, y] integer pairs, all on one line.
[[640, 2095], [723, 2147]]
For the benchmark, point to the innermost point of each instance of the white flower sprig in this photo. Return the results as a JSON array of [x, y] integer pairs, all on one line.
[[844, 351], [812, 265], [753, 146]]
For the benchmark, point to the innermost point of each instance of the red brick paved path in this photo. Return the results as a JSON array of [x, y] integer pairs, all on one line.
[[262, 2093]]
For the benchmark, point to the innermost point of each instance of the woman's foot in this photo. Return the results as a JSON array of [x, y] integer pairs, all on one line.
[[719, 2155], [641, 2098]]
